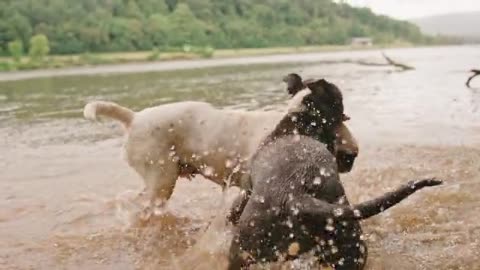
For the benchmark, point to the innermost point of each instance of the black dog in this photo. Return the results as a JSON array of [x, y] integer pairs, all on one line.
[[297, 203], [324, 110]]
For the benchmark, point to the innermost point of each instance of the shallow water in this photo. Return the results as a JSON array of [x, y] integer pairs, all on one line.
[[69, 200]]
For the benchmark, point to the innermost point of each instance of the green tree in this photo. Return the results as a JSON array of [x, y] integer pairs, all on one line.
[[185, 28], [39, 47], [132, 10], [19, 27], [157, 30], [74, 26], [15, 48], [150, 7], [201, 8]]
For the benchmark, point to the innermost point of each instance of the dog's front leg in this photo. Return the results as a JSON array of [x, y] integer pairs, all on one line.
[[308, 205], [238, 205], [382, 203]]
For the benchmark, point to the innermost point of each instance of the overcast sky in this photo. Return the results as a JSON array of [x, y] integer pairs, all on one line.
[[406, 9]]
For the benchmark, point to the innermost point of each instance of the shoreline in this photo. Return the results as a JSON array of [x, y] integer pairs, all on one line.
[[221, 58], [120, 61]]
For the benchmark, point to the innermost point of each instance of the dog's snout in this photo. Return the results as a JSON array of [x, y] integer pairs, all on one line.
[[345, 161]]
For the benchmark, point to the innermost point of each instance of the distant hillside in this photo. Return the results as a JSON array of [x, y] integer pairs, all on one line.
[[465, 25], [76, 26]]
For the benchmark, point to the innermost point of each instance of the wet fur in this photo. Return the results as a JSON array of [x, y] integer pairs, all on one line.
[[332, 96], [166, 142], [297, 203]]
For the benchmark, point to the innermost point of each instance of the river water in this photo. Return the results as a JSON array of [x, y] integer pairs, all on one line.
[[69, 200]]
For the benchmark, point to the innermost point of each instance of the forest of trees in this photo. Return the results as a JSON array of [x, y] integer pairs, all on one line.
[[79, 26]]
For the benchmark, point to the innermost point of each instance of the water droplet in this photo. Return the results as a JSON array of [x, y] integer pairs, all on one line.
[[208, 171], [362, 249], [289, 223], [229, 163], [317, 181], [313, 124], [338, 212], [261, 199], [334, 249], [329, 228], [293, 249], [357, 213]]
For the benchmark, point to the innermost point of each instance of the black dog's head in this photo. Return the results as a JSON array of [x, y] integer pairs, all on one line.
[[319, 108]]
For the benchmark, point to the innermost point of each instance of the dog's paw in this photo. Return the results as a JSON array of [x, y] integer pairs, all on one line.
[[428, 182]]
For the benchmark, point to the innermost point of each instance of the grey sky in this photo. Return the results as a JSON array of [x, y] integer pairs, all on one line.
[[405, 9]]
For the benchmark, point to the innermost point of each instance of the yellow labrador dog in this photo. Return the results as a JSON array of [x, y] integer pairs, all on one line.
[[187, 138]]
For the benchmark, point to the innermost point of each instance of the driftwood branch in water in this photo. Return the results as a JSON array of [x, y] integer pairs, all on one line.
[[389, 63], [475, 72], [393, 63]]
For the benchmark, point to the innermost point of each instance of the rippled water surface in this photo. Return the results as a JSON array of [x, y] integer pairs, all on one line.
[[69, 201]]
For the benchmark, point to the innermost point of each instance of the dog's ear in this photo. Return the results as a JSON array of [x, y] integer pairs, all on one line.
[[294, 83], [323, 86], [318, 87]]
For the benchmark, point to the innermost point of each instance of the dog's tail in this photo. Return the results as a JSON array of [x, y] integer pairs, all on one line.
[[109, 109]]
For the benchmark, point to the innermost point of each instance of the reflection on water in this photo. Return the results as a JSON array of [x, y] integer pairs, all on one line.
[[70, 202], [63, 97]]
